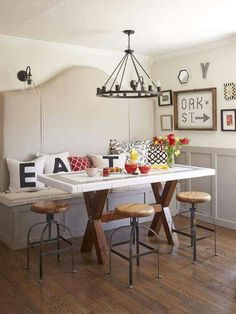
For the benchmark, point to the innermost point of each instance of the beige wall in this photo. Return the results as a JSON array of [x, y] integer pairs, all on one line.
[[47, 59], [222, 70], [34, 117]]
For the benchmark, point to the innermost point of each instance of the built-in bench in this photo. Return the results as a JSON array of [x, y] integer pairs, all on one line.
[[16, 216]]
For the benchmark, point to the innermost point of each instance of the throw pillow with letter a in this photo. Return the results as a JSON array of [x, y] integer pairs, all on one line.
[[57, 163]]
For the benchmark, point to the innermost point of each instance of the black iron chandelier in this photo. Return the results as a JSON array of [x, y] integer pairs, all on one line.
[[138, 88]]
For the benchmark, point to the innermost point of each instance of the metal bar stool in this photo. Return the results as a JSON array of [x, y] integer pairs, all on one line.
[[134, 212], [50, 208], [194, 198]]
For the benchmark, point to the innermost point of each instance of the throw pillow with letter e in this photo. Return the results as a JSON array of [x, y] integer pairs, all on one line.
[[23, 174]]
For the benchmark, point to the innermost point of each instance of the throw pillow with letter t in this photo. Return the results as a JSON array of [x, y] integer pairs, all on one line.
[[102, 161], [23, 174]]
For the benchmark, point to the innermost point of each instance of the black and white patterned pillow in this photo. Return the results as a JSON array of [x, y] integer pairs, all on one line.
[[156, 155], [118, 147]]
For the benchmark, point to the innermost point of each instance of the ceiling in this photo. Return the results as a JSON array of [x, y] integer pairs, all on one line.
[[161, 25]]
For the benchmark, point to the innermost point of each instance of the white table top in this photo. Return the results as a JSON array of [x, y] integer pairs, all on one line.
[[75, 182]]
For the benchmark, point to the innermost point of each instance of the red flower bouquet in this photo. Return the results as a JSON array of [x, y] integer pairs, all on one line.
[[171, 144]]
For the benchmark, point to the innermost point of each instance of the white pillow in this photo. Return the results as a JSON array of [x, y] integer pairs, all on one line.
[[23, 174], [57, 163], [103, 161]]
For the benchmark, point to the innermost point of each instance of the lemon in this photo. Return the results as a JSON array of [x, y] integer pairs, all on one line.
[[134, 155]]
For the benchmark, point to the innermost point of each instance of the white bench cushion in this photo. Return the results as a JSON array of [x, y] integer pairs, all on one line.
[[22, 198]]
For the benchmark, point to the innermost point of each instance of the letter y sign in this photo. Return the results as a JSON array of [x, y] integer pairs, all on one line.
[[204, 67]]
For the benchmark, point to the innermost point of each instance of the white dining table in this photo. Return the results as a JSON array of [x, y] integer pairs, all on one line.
[[95, 191]]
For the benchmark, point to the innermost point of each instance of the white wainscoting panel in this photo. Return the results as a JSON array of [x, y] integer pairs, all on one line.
[[221, 186]]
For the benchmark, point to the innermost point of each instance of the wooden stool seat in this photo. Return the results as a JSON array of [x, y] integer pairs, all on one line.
[[134, 210], [193, 197], [49, 207]]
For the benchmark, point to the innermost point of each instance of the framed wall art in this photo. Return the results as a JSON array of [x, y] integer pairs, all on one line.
[[166, 122], [184, 76], [195, 109], [166, 98], [229, 91], [228, 118]]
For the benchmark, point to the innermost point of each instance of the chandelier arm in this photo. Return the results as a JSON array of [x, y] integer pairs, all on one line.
[[154, 84], [141, 67], [121, 66], [115, 70], [136, 70], [144, 70], [124, 70]]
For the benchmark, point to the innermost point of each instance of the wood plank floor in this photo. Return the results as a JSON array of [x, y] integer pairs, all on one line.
[[208, 287]]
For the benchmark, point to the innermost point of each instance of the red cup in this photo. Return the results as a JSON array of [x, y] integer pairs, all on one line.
[[106, 172]]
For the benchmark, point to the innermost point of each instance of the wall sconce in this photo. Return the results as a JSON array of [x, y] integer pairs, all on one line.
[[26, 76]]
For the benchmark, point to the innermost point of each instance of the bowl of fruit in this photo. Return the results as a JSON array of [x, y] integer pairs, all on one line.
[[144, 169], [116, 170]]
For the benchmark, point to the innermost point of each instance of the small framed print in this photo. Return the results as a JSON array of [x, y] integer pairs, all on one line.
[[228, 118], [166, 98], [229, 91], [166, 122]]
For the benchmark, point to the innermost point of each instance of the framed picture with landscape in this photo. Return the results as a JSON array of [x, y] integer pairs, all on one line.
[[166, 98]]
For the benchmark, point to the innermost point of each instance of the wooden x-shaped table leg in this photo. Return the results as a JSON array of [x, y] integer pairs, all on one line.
[[163, 197], [94, 233]]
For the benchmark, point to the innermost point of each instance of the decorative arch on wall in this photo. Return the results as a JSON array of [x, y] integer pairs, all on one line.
[[64, 114]]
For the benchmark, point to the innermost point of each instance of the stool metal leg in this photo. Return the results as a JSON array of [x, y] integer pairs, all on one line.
[[193, 233], [191, 226], [214, 224], [110, 245], [49, 220], [131, 254], [41, 252], [134, 229], [158, 248], [137, 242], [28, 241], [58, 242], [131, 224], [172, 225], [72, 246]]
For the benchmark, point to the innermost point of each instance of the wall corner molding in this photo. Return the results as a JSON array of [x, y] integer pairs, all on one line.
[[66, 47], [195, 49]]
